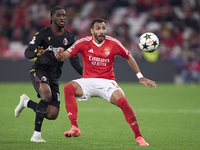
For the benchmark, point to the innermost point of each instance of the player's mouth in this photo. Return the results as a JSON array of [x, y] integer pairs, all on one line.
[[62, 23], [101, 36]]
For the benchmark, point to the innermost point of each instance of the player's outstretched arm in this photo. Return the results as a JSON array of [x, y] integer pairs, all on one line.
[[62, 55], [133, 64]]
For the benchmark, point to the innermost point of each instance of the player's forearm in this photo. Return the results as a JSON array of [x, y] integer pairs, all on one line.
[[62, 55], [133, 64], [30, 54], [61, 59], [75, 62]]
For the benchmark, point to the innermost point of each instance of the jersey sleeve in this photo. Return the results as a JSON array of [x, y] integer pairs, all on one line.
[[76, 64], [31, 50], [75, 48], [121, 50]]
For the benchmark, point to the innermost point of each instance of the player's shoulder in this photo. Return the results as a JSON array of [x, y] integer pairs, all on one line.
[[87, 38], [68, 33], [112, 39], [84, 39], [43, 31]]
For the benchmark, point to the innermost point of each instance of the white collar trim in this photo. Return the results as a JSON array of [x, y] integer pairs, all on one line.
[[98, 45]]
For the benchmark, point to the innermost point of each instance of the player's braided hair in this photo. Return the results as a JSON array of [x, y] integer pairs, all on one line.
[[53, 10]]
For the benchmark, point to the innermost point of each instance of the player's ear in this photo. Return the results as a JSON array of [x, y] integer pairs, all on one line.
[[52, 19], [91, 30]]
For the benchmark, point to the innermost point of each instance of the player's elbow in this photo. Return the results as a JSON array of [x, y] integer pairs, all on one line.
[[26, 53]]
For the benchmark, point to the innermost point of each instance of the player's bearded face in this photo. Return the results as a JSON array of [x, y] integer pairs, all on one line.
[[99, 32]]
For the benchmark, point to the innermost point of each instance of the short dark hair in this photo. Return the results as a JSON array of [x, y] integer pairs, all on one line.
[[99, 20], [53, 10]]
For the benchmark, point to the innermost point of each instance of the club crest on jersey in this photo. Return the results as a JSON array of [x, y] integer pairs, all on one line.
[[65, 41], [49, 38], [44, 78], [107, 50]]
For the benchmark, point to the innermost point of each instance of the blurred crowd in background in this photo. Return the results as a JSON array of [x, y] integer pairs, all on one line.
[[175, 22]]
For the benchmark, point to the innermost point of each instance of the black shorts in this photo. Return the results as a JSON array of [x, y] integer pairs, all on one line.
[[41, 76]]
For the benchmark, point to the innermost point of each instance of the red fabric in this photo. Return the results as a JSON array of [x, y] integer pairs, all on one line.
[[70, 103], [98, 59], [129, 115]]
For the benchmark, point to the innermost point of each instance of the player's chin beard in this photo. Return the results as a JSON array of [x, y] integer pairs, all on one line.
[[99, 40], [60, 27]]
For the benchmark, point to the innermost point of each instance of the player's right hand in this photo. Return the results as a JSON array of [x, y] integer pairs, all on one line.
[[40, 51], [146, 82]]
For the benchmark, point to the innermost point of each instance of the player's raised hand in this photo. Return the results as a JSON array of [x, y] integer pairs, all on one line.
[[146, 82], [40, 51]]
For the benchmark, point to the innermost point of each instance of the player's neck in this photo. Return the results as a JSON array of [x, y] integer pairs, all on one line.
[[56, 29], [97, 43]]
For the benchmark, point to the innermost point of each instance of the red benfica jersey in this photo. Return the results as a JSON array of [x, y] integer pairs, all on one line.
[[98, 59]]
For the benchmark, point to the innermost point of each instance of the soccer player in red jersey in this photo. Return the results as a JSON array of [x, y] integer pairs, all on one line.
[[98, 52]]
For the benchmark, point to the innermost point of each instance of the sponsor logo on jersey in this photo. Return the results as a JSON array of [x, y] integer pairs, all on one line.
[[91, 50], [107, 50], [53, 49], [65, 41], [97, 61]]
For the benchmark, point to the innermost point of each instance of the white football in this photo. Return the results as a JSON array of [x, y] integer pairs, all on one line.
[[148, 42]]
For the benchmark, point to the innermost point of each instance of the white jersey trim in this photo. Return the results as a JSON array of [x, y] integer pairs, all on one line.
[[87, 38], [98, 45]]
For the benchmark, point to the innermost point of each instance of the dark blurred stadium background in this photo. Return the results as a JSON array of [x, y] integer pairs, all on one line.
[[175, 22]]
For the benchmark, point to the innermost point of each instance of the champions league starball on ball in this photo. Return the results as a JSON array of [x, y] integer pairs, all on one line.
[[148, 42]]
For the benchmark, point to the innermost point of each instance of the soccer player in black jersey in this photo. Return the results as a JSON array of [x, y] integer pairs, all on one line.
[[47, 70]]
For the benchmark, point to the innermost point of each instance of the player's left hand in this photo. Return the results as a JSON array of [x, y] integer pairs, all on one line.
[[146, 82], [59, 53]]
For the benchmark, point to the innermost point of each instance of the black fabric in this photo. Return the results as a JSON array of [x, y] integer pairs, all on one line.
[[33, 105], [41, 113], [48, 62], [38, 76]]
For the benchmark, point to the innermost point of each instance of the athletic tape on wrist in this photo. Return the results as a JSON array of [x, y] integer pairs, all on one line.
[[139, 75]]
